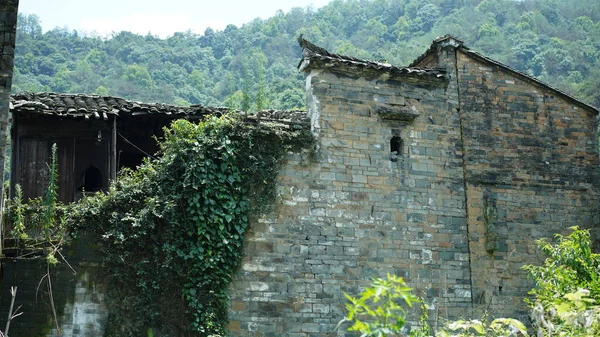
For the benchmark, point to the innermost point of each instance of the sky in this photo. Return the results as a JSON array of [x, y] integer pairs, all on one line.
[[159, 17]]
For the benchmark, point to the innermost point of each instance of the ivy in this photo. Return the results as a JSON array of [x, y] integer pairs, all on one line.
[[172, 231]]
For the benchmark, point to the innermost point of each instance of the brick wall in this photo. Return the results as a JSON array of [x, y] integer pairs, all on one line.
[[8, 31], [530, 159], [355, 214], [78, 296], [458, 228]]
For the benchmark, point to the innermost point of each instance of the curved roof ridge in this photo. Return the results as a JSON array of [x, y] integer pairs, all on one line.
[[314, 54]]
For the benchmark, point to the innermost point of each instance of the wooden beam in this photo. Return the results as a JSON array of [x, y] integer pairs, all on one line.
[[113, 150]]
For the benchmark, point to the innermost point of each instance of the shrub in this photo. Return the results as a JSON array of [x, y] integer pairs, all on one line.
[[567, 287], [566, 293], [379, 311]]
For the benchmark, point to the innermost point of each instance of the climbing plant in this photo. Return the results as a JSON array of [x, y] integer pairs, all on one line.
[[172, 231]]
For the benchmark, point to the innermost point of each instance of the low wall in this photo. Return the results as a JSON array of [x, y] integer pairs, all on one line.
[[78, 295]]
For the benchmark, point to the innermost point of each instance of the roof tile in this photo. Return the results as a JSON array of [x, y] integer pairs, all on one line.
[[96, 107], [315, 54]]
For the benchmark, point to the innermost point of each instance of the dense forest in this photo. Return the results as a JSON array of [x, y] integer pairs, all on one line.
[[254, 66]]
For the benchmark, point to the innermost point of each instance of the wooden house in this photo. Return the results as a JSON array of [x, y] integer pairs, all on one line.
[[95, 137]]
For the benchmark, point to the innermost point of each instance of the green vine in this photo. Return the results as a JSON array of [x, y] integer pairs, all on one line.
[[172, 231]]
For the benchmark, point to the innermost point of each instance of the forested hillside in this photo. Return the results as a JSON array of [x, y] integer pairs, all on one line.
[[254, 66]]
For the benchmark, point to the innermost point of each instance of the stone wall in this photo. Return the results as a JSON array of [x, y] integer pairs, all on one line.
[[8, 32], [530, 160], [78, 295], [458, 228], [355, 214]]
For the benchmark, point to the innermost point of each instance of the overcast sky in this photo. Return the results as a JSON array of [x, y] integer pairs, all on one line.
[[160, 17]]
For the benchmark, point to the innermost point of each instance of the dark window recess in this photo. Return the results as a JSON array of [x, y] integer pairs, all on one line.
[[396, 146], [92, 179]]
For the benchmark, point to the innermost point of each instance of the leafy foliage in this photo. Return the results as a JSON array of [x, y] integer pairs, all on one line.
[[379, 310], [51, 198], [566, 299], [567, 287], [576, 315], [40, 218], [570, 265], [500, 327], [18, 216], [172, 231]]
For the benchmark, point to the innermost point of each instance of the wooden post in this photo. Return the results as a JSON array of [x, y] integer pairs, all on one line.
[[113, 150]]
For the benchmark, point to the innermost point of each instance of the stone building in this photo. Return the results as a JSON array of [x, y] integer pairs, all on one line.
[[444, 172]]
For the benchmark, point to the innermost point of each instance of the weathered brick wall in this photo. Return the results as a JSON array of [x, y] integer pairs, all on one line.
[[355, 214], [531, 158], [78, 297], [8, 31]]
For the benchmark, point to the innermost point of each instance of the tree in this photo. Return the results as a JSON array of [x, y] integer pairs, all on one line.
[[61, 82], [138, 75], [246, 101], [425, 17], [261, 101], [101, 91], [371, 36], [568, 284], [29, 25]]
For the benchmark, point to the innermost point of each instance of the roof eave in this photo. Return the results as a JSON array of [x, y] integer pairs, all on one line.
[[315, 57], [54, 105]]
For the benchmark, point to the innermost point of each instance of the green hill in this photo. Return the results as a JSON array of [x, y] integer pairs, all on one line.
[[557, 41]]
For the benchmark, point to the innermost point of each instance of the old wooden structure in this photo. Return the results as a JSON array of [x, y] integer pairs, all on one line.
[[95, 137]]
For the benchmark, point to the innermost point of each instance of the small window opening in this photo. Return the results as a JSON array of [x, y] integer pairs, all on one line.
[[396, 148], [92, 179]]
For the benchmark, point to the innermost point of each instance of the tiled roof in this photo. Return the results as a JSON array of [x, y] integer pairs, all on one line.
[[100, 107], [314, 54], [459, 44], [94, 106]]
